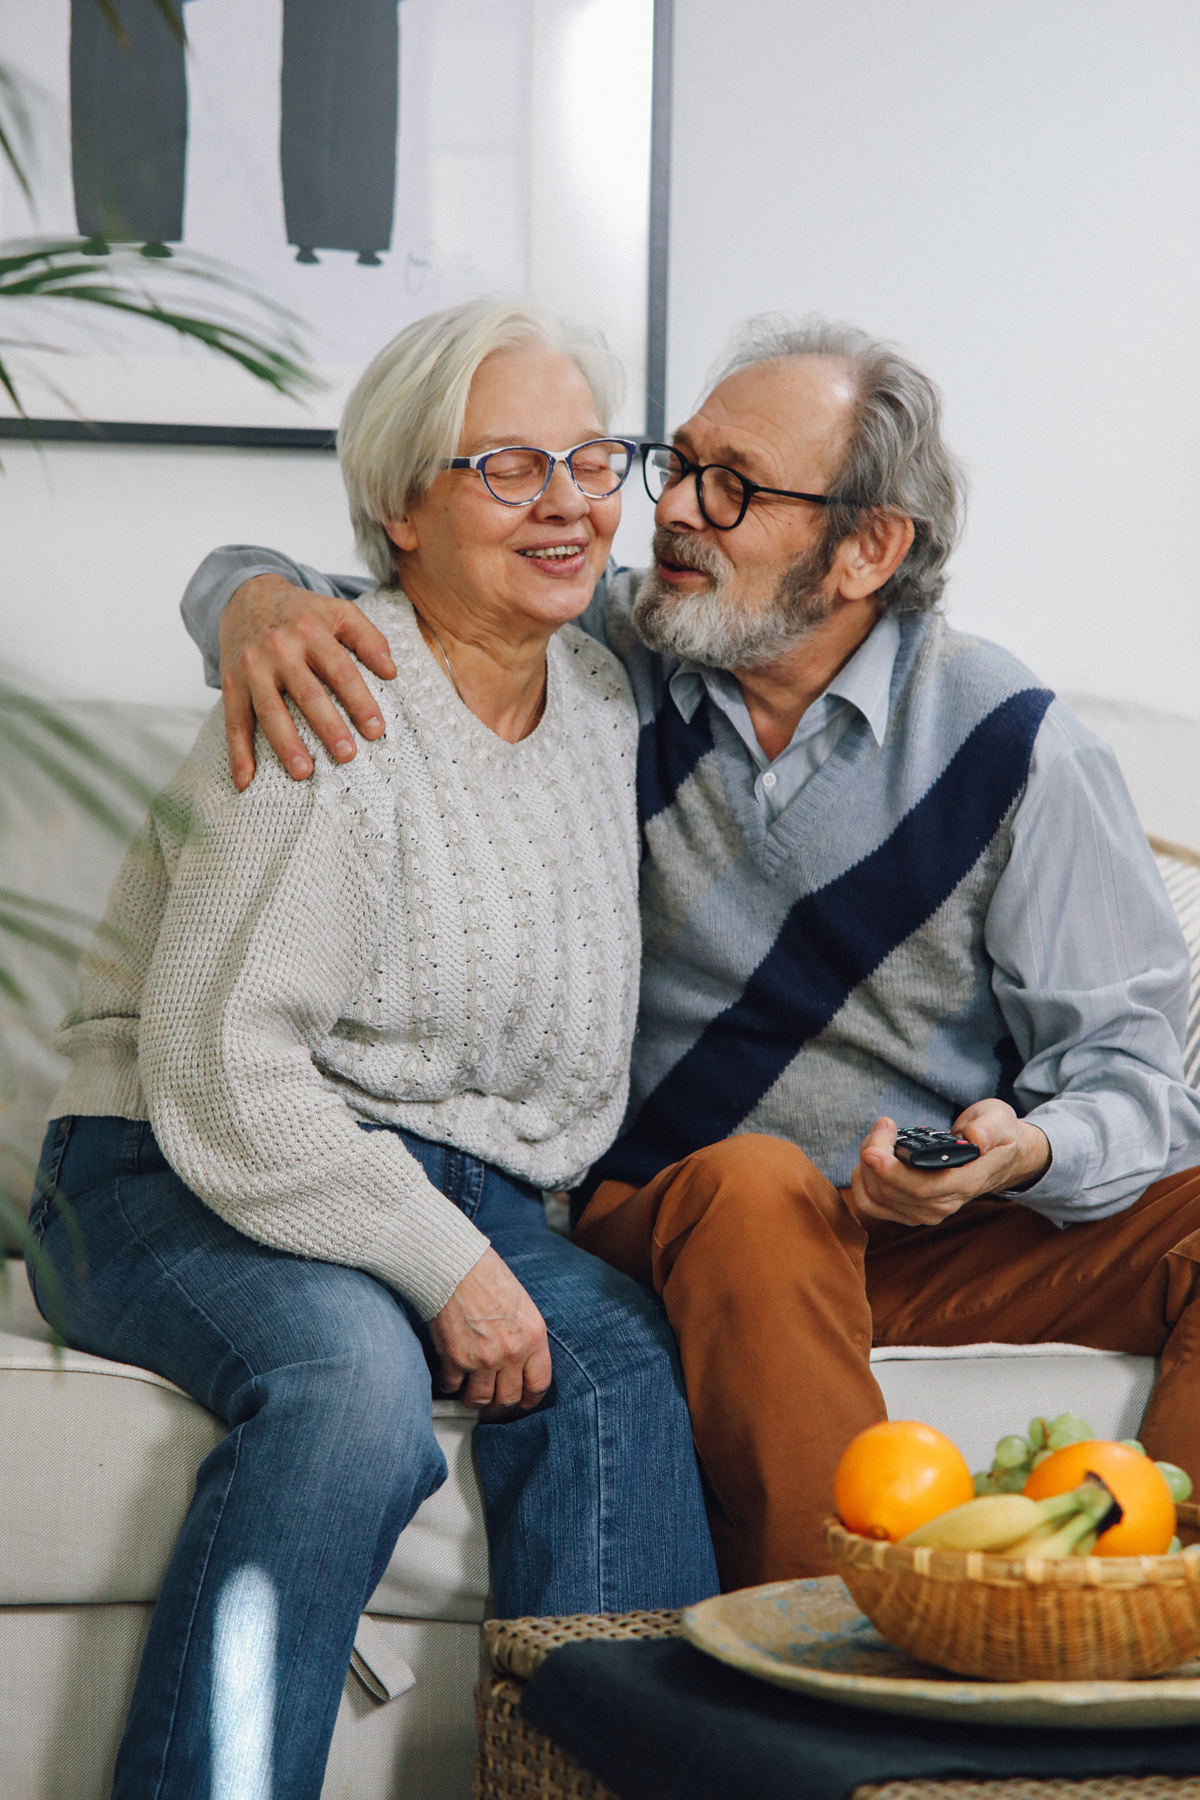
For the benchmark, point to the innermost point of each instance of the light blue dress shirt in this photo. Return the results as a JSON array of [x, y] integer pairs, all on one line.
[[863, 685]]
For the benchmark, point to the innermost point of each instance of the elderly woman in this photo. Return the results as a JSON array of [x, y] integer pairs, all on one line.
[[335, 1036]]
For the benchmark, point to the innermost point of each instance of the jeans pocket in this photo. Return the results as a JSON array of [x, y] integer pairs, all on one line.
[[45, 1187]]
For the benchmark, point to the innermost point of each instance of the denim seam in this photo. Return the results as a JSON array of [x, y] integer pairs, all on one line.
[[602, 1507], [191, 1624], [44, 1191]]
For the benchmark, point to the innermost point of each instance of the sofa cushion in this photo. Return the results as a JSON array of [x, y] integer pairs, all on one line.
[[69, 1674], [97, 1466], [99, 1459], [977, 1393], [1159, 754]]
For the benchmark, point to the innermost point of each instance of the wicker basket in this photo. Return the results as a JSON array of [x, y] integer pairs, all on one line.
[[1070, 1618]]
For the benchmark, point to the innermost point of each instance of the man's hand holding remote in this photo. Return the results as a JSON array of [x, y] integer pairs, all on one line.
[[279, 639], [1012, 1153]]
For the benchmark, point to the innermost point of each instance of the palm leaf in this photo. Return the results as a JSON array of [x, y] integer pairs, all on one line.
[[112, 18], [246, 327], [15, 129]]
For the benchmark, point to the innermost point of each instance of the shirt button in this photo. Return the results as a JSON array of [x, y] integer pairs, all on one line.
[[769, 779]]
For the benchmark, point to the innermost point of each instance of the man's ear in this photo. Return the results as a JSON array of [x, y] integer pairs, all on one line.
[[872, 555], [402, 532]]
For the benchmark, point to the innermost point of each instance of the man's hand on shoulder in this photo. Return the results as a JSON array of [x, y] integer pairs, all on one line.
[[1012, 1153], [278, 639]]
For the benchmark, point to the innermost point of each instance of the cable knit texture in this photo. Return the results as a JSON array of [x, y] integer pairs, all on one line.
[[441, 934]]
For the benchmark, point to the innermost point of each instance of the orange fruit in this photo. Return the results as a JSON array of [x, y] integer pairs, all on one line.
[[896, 1476], [1148, 1524]]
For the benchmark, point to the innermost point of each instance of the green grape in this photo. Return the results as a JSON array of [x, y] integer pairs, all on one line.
[[1177, 1479], [1011, 1481], [1132, 1444], [1174, 1547], [1041, 1457], [1068, 1428], [1012, 1453], [1037, 1434], [984, 1482]]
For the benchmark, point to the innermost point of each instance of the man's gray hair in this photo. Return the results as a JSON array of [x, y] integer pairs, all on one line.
[[405, 414], [896, 459]]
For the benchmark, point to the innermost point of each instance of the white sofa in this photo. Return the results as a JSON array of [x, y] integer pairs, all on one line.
[[97, 1460]]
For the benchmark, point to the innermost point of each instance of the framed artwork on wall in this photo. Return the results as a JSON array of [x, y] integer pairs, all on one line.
[[359, 165]]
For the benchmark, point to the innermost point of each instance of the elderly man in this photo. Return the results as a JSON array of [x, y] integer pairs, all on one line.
[[888, 880]]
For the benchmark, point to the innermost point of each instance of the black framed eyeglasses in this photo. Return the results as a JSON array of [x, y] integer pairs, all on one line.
[[519, 474], [722, 493]]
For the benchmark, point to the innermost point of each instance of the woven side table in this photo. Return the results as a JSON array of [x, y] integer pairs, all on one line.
[[515, 1761]]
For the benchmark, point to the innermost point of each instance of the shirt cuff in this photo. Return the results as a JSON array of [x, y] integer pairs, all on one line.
[[203, 618], [1057, 1195]]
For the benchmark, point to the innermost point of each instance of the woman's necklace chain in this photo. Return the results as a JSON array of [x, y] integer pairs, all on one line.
[[437, 640], [450, 668]]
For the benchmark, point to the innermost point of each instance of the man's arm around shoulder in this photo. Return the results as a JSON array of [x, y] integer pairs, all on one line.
[[270, 627]]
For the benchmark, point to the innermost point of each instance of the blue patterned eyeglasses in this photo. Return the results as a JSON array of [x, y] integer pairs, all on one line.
[[519, 474]]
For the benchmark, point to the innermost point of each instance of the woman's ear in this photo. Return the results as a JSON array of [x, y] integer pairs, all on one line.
[[402, 532]]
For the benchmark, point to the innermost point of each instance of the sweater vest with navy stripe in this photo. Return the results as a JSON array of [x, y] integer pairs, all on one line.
[[804, 977]]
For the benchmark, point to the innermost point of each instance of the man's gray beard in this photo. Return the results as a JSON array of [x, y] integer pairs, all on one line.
[[704, 628]]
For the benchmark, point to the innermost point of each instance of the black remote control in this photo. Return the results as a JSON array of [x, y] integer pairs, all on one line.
[[923, 1148]]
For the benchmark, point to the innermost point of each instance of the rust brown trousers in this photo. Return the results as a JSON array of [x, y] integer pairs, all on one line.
[[777, 1293]]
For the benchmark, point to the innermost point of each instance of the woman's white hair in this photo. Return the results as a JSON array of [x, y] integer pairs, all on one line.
[[405, 414]]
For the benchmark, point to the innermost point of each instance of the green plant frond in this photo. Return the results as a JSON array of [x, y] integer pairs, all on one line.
[[262, 337], [6, 382], [280, 371], [22, 716], [112, 19], [11, 986], [177, 265], [171, 15], [14, 129], [66, 915], [29, 932], [25, 720], [174, 17], [70, 780], [15, 1227]]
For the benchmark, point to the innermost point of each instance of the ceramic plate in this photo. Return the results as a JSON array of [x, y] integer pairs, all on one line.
[[810, 1636]]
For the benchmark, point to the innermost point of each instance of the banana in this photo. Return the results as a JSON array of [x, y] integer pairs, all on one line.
[[990, 1522], [1074, 1538], [1032, 1545]]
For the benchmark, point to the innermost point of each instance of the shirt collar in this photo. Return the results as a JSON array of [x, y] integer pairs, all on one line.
[[865, 681]]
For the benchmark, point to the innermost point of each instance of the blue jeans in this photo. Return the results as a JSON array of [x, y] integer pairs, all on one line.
[[593, 1501]]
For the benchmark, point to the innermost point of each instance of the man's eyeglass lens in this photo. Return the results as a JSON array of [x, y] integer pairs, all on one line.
[[519, 475], [722, 493]]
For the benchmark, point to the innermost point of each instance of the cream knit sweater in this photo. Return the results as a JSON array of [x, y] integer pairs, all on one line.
[[442, 935]]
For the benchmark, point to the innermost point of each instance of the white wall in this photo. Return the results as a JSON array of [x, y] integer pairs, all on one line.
[[97, 542], [1007, 190], [1010, 192]]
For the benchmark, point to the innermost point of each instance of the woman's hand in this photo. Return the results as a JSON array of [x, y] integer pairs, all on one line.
[[279, 639], [1013, 1153], [491, 1342]]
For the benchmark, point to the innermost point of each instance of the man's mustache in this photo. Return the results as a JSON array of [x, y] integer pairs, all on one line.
[[687, 551]]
